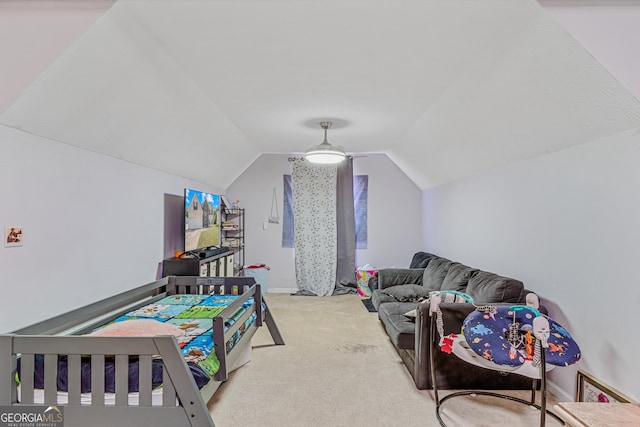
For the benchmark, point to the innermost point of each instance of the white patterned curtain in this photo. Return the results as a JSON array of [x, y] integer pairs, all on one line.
[[315, 232]]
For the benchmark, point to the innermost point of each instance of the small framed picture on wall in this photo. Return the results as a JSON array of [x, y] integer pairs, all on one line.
[[590, 389], [13, 236]]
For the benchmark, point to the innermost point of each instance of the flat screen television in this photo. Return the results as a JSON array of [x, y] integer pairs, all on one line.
[[201, 220]]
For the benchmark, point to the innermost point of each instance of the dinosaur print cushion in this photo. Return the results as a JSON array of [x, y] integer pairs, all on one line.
[[487, 335], [563, 350]]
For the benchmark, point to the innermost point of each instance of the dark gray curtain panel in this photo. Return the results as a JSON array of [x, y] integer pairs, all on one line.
[[346, 229]]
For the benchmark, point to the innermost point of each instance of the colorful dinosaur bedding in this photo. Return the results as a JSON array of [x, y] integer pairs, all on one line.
[[187, 317], [193, 315]]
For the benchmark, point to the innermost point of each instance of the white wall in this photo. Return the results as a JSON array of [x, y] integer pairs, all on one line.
[[93, 226], [394, 223], [566, 224]]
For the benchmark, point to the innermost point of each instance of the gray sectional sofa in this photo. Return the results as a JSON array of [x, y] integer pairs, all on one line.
[[396, 292]]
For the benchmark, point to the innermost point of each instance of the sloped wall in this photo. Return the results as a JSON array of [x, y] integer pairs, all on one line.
[[93, 226], [567, 225]]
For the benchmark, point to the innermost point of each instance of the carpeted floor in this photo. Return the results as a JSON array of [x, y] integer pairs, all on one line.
[[338, 368]]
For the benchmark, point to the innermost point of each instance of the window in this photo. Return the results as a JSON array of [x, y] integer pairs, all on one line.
[[360, 197], [287, 214]]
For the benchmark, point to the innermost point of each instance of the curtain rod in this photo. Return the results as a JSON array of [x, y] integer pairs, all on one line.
[[296, 159]]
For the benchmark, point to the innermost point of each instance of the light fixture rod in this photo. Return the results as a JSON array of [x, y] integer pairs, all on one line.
[[325, 126]]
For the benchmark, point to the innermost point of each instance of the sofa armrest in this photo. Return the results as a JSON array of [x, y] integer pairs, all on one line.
[[388, 277], [446, 364]]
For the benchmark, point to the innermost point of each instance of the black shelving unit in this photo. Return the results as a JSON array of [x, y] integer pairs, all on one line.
[[232, 232], [193, 265]]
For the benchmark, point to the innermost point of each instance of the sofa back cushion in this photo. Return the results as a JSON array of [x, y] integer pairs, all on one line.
[[485, 287], [435, 272], [458, 277], [420, 259]]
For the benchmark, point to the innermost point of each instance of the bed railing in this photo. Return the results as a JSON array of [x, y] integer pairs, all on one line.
[[180, 394], [39, 346], [62, 323]]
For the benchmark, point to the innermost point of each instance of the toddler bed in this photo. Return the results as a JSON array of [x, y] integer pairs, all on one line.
[[73, 363]]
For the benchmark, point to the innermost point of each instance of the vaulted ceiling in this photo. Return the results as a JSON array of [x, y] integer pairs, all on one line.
[[200, 88]]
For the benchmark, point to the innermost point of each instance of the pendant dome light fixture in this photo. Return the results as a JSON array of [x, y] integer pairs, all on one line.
[[325, 153]]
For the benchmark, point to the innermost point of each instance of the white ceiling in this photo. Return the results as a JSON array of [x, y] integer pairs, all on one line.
[[446, 88]]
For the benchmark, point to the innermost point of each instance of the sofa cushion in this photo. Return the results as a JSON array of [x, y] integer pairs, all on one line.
[[485, 287], [378, 297], [420, 259], [400, 329], [435, 272], [458, 277], [407, 293]]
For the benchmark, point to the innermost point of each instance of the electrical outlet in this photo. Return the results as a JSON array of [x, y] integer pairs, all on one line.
[[265, 225]]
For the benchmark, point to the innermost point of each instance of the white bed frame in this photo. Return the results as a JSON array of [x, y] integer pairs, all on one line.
[[182, 403]]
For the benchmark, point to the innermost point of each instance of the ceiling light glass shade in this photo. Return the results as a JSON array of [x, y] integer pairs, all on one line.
[[325, 153]]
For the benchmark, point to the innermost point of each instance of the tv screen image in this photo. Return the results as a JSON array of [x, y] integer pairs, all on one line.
[[201, 228]]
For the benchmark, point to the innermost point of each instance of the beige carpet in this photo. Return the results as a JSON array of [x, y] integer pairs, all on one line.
[[338, 368]]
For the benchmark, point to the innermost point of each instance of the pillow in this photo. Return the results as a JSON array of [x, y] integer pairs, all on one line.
[[435, 272], [407, 293], [138, 328], [485, 287], [420, 260], [457, 278]]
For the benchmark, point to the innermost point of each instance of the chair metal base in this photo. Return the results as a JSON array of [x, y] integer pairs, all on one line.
[[543, 410], [543, 386]]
